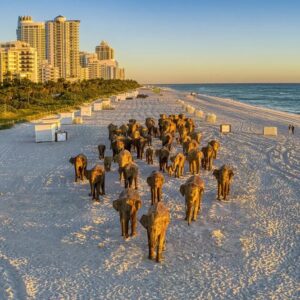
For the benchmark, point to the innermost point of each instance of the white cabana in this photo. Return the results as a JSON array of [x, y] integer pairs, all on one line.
[[225, 128], [97, 106], [106, 104], [55, 121], [272, 131], [45, 132], [86, 111], [67, 118], [190, 109], [199, 114], [78, 120], [211, 118]]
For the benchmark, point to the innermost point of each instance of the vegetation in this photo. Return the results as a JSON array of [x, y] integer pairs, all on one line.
[[156, 90], [23, 100]]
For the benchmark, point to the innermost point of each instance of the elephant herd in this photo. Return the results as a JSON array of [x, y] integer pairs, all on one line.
[[134, 137]]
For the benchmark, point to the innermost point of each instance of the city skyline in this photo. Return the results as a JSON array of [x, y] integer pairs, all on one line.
[[188, 42]]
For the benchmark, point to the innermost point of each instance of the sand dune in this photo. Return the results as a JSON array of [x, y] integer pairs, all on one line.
[[55, 243]]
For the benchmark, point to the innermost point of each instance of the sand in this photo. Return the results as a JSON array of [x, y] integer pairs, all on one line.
[[55, 243]]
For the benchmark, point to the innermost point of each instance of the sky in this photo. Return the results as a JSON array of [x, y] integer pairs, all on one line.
[[181, 41]]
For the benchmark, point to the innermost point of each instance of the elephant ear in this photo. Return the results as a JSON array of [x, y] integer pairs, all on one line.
[[216, 173], [149, 180], [182, 189], [72, 160], [231, 174], [117, 204], [144, 221]]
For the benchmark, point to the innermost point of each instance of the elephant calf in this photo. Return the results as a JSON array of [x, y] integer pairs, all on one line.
[[131, 175], [80, 164], [194, 158], [156, 181], [127, 205], [216, 146], [101, 149], [163, 157], [224, 177], [178, 164], [208, 155], [192, 190], [107, 163], [156, 222], [96, 177], [149, 156]]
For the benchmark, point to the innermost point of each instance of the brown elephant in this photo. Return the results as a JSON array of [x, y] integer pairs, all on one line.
[[224, 177], [150, 124], [216, 146], [208, 155], [156, 222], [197, 136], [192, 190], [124, 129], [123, 158], [96, 177], [168, 126], [189, 145], [117, 146], [163, 157], [80, 164], [140, 144], [131, 171], [194, 158], [111, 130], [167, 140], [178, 164], [190, 125], [127, 205], [101, 149], [107, 163], [149, 156], [156, 181]]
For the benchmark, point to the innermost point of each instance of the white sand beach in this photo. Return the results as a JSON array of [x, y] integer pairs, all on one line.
[[56, 243]]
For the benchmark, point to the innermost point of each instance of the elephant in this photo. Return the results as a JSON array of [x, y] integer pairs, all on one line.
[[162, 117], [80, 164], [96, 177], [197, 136], [133, 128], [101, 149], [192, 190], [156, 181], [156, 222], [168, 126], [128, 143], [208, 155], [123, 158], [216, 146], [124, 129], [107, 163], [149, 155], [224, 177], [189, 145], [140, 144], [194, 158], [163, 157], [178, 164], [167, 140], [111, 129], [117, 146], [143, 131], [190, 125], [131, 171], [127, 205], [170, 170], [156, 132], [150, 124], [149, 140]]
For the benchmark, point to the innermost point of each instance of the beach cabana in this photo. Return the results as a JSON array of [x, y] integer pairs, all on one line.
[[225, 128], [97, 106], [86, 111], [45, 132], [66, 118], [271, 131], [106, 103], [211, 118], [199, 114], [55, 121], [78, 120]]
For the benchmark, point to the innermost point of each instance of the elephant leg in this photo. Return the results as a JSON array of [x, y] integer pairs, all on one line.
[[133, 224], [136, 182], [91, 186], [196, 209], [152, 196], [76, 174], [159, 194], [126, 227], [103, 186], [160, 245], [98, 185], [210, 164], [219, 191], [226, 190], [122, 221], [151, 246]]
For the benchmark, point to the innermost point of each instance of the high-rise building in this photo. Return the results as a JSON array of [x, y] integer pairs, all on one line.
[[18, 60], [62, 46], [33, 33], [48, 72], [105, 52]]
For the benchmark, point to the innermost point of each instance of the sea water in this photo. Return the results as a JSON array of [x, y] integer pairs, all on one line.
[[284, 97]]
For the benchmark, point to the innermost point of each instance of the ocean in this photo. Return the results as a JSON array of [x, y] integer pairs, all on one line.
[[284, 97]]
